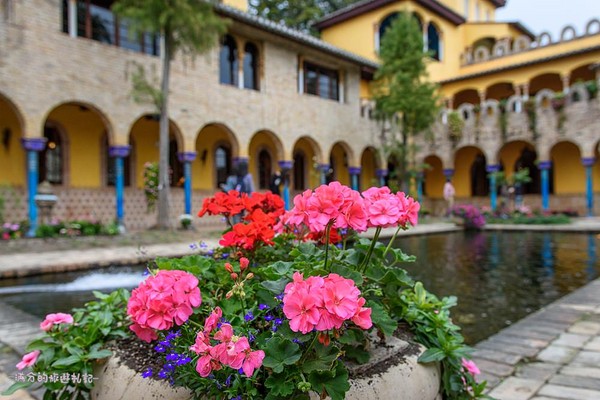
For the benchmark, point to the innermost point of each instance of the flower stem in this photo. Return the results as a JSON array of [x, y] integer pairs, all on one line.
[[364, 264], [308, 349], [389, 246], [327, 230]]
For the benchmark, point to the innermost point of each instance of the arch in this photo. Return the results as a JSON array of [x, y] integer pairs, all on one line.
[[501, 48], [511, 103], [578, 92], [568, 33], [589, 27], [385, 23], [490, 109], [548, 80], [74, 153], [469, 180], [544, 39], [217, 147], [306, 173], [499, 91], [487, 42], [369, 164], [470, 96], [518, 154], [467, 112], [522, 43], [481, 54], [433, 183], [340, 157], [251, 57], [12, 154], [228, 61], [569, 173], [544, 98], [582, 73], [262, 143], [434, 41], [144, 135]]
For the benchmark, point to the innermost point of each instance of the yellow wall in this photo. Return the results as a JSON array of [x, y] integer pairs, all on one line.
[[85, 132], [569, 173], [144, 135], [12, 158], [203, 172], [312, 176], [463, 160], [365, 89], [239, 4], [341, 170], [509, 154], [368, 175], [434, 178]]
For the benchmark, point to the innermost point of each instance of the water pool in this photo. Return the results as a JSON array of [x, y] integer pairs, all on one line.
[[498, 277]]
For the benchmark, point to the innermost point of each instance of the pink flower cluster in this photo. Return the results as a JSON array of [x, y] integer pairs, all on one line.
[[377, 207], [324, 303], [470, 367], [162, 300], [231, 351], [55, 319], [28, 360]]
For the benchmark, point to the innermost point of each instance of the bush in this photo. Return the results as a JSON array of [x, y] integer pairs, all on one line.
[[470, 214]]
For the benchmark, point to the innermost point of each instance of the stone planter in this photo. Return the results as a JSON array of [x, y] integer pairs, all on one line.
[[393, 369]]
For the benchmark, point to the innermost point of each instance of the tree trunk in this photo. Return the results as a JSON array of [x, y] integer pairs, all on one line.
[[163, 165]]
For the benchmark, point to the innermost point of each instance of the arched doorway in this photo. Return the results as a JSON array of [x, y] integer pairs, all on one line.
[[265, 151], [470, 178], [368, 172], [339, 158], [12, 155], [569, 173], [307, 154], [216, 146], [299, 170], [517, 155], [265, 166], [434, 179]]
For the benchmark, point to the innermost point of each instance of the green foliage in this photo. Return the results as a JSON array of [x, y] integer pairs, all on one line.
[[295, 13], [73, 348], [521, 219], [76, 228], [151, 185], [404, 96], [455, 126], [144, 91]]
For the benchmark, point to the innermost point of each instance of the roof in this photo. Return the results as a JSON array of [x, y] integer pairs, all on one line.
[[515, 24], [292, 34], [498, 3], [365, 6]]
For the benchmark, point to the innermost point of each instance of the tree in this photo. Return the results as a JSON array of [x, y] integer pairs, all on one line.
[[297, 14], [404, 97], [186, 26]]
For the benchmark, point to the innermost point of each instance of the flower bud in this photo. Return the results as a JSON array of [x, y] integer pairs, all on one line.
[[228, 268], [324, 339], [244, 263], [229, 294], [234, 276], [304, 386], [250, 275]]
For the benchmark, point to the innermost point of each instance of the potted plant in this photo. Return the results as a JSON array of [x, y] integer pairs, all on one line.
[[455, 126], [287, 307]]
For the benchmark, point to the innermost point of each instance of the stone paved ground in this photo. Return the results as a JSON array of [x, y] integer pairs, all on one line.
[[552, 354]]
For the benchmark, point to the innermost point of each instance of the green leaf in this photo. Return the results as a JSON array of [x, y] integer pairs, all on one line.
[[16, 386], [99, 295], [276, 287], [279, 385], [39, 344], [324, 358], [346, 272], [334, 383], [382, 319], [99, 354], [64, 362], [431, 355], [281, 352], [357, 353]]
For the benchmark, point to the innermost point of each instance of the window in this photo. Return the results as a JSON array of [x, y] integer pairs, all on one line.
[[320, 81], [51, 158], [264, 169], [96, 21], [433, 42], [299, 168], [384, 25], [222, 164], [228, 62], [250, 66]]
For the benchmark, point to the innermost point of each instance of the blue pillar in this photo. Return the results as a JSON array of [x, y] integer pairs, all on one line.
[[324, 169], [119, 153], [544, 167], [33, 146], [354, 175], [381, 174], [420, 187], [588, 162], [187, 157], [491, 170], [286, 167]]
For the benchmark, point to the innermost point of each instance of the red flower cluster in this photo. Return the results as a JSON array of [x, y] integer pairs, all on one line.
[[232, 351], [271, 204], [227, 204], [258, 230], [161, 301]]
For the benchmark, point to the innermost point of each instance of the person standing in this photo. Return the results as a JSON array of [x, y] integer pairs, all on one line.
[[275, 182], [449, 193]]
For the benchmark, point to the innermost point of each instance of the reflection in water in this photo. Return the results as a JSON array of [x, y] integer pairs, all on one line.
[[500, 277]]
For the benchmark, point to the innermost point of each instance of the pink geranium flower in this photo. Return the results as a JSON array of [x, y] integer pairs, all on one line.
[[213, 319], [252, 361], [28, 360], [55, 319], [471, 367]]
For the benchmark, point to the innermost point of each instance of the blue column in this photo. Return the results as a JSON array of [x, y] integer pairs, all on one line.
[[324, 169], [119, 153], [354, 175], [588, 162], [381, 174], [33, 146], [544, 167], [420, 187], [286, 167], [187, 157], [491, 170]]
